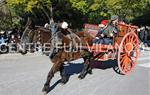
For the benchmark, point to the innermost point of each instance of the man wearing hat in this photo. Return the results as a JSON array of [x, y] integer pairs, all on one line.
[[111, 30]]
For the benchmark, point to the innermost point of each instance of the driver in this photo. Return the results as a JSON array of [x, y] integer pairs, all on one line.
[[65, 30], [68, 33], [111, 30]]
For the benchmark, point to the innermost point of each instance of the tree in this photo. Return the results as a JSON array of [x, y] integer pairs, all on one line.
[[77, 12], [128, 9], [5, 17], [25, 8]]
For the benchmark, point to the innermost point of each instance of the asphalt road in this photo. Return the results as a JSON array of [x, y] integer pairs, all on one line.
[[25, 75]]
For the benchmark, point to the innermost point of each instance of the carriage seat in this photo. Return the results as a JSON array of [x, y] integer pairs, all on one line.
[[93, 30], [105, 41]]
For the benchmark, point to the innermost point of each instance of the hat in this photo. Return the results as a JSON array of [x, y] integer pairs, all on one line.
[[64, 25], [114, 17], [46, 25], [103, 23]]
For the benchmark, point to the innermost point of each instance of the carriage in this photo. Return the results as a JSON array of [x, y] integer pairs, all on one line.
[[124, 48]]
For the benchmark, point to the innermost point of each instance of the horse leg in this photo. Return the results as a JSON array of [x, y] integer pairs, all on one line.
[[64, 78], [86, 68], [51, 73]]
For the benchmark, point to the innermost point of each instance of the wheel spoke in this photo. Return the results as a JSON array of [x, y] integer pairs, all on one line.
[[124, 66], [133, 40], [123, 54], [127, 40], [127, 62], [132, 37], [122, 59]]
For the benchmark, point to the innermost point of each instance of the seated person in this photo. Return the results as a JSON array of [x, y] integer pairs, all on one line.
[[110, 31], [102, 26]]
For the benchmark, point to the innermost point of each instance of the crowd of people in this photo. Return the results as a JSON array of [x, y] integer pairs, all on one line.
[[9, 37]]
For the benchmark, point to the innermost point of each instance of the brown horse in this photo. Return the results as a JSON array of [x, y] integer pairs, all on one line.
[[35, 37], [34, 34], [82, 38], [42, 35]]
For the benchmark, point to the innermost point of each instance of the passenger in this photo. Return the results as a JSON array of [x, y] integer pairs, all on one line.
[[103, 24], [98, 39]]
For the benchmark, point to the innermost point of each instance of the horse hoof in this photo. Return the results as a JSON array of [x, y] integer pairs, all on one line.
[[90, 72], [44, 93], [61, 83], [64, 80], [45, 89], [81, 76]]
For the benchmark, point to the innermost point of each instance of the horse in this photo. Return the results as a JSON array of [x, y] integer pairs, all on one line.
[[82, 38], [35, 37], [42, 35]]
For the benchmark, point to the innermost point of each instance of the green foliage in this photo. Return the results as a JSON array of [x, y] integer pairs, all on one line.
[[77, 11], [80, 5], [21, 9], [5, 18], [128, 9], [27, 5]]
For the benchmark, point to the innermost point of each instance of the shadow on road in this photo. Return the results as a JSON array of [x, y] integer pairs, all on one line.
[[75, 68], [53, 86]]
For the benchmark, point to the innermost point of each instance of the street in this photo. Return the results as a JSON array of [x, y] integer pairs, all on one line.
[[26, 75]]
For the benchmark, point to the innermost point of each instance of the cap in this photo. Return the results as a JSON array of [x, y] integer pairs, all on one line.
[[114, 17], [103, 23]]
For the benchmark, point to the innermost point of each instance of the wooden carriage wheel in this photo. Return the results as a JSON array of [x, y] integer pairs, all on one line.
[[128, 53]]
